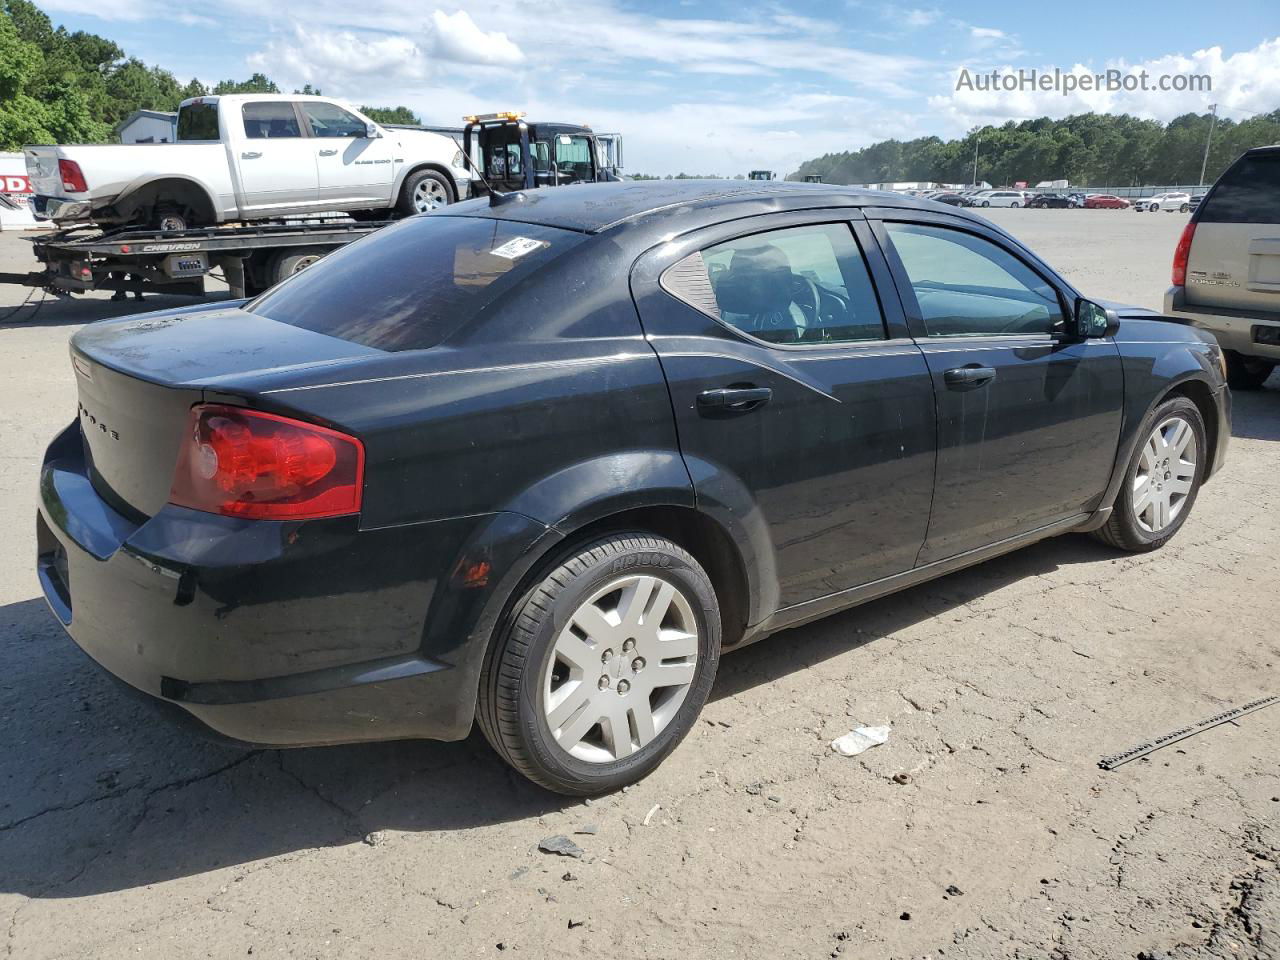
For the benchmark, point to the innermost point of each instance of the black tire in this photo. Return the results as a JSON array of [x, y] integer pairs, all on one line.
[[986, 203], [289, 262], [1185, 208], [510, 708], [1122, 529], [405, 205], [1014, 205], [1247, 373]]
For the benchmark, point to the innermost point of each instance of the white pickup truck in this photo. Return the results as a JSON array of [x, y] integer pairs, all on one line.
[[250, 157]]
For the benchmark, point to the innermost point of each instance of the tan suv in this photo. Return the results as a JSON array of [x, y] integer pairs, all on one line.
[[1226, 268]]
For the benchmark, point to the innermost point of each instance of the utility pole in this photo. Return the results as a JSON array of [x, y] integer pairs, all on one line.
[[1213, 118], [978, 139]]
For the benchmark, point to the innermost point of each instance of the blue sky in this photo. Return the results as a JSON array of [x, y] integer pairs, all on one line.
[[710, 87]]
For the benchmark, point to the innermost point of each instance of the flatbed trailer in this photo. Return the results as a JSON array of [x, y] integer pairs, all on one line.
[[251, 258]]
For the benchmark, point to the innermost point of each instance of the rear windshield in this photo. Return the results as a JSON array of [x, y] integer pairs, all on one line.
[[411, 286], [1249, 192]]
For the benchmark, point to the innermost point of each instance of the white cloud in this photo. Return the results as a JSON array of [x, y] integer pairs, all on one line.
[[457, 38], [919, 18], [1243, 83]]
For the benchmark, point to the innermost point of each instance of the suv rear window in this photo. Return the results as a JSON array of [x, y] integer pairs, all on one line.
[[1249, 192], [411, 286]]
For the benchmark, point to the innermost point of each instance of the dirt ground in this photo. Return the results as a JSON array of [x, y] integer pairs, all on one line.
[[121, 836]]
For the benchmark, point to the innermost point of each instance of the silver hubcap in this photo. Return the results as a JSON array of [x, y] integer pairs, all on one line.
[[172, 223], [1166, 472], [304, 263], [428, 195], [620, 669]]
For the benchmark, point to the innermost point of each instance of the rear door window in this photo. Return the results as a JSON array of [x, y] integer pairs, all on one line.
[[411, 286], [270, 120], [799, 285], [1249, 192], [198, 121]]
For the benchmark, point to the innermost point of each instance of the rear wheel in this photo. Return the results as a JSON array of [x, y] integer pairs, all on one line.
[[171, 219], [604, 666], [1162, 481], [1247, 373], [1014, 204], [1185, 208], [424, 191], [986, 203], [290, 262]]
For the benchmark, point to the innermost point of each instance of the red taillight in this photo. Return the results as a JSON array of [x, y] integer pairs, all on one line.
[[72, 178], [1180, 254], [243, 463]]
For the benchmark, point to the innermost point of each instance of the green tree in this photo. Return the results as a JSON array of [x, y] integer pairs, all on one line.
[[258, 83], [391, 115]]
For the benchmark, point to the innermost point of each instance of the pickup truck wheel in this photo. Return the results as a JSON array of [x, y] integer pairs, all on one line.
[[1246, 373], [171, 219], [423, 192], [1162, 480], [604, 666]]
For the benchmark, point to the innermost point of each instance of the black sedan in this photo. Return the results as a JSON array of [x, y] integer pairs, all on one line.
[[536, 461], [951, 199], [1050, 201]]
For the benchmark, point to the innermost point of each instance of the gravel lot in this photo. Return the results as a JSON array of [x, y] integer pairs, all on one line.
[[1004, 684]]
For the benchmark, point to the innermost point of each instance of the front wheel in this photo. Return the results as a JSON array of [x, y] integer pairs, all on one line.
[[424, 191], [1162, 481], [604, 666], [1246, 373], [986, 203], [1185, 208]]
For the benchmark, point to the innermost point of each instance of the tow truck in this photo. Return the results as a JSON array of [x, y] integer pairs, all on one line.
[[512, 154]]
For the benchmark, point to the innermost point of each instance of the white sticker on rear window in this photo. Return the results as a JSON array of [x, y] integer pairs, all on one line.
[[517, 247]]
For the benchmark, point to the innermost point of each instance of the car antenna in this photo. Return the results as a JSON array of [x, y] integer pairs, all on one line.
[[496, 197]]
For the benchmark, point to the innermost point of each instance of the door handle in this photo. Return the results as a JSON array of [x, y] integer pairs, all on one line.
[[735, 398], [250, 155], [327, 153], [969, 375]]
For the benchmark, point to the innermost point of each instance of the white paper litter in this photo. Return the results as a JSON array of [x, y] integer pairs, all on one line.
[[859, 739]]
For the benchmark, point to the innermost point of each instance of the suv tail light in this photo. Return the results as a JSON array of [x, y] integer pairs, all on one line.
[[1180, 254], [242, 463], [72, 177]]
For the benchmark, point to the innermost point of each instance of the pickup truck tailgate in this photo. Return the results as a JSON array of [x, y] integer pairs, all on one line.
[[42, 169]]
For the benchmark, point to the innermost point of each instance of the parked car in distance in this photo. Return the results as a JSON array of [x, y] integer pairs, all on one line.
[[1226, 267], [1000, 198], [951, 199], [1163, 201], [1196, 200], [250, 157], [389, 497], [1050, 201], [1098, 201]]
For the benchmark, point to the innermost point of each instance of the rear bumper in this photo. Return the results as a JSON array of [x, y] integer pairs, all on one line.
[[59, 209], [276, 633], [1252, 334]]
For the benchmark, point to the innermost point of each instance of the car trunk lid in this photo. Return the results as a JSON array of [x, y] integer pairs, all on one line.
[[137, 379]]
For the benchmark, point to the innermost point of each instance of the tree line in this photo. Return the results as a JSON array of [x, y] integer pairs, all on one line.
[[58, 86], [1087, 149]]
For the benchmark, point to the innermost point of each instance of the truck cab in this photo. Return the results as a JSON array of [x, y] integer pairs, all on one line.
[[760, 175], [514, 154]]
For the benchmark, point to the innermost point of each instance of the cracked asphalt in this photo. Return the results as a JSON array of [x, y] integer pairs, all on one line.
[[983, 828]]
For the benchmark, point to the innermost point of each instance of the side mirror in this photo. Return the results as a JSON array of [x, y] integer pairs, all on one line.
[[371, 131], [1092, 320]]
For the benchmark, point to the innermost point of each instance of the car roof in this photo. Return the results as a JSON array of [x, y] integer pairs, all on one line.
[[678, 204]]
